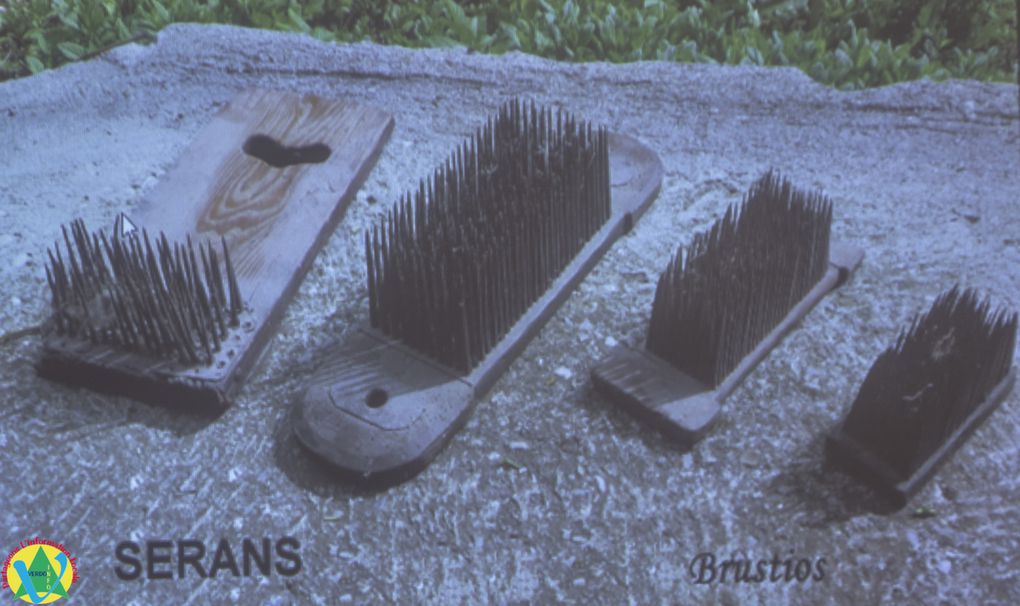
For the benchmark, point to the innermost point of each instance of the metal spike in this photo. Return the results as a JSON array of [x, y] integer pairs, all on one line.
[[212, 273], [236, 304], [214, 263]]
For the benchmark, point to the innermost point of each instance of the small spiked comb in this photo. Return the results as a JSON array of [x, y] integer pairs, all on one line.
[[159, 302], [147, 317], [723, 303], [925, 395]]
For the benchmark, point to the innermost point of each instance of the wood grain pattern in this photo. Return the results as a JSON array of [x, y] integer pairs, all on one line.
[[244, 198], [275, 221]]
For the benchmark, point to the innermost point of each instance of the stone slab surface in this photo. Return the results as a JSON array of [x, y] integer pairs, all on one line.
[[549, 494]]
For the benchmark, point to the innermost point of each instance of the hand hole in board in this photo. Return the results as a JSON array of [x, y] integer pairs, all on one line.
[[277, 155], [376, 398]]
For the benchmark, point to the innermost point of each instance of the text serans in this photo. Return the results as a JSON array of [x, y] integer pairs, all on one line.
[[705, 569], [165, 559]]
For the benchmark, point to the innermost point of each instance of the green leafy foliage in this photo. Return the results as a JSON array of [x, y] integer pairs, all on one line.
[[844, 43]]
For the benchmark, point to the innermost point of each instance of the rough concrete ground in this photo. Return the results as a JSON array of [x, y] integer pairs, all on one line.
[[549, 493]]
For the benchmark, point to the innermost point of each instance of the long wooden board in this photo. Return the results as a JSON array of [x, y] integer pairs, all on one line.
[[274, 217]]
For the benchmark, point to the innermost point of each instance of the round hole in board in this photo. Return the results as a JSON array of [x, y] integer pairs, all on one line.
[[278, 155], [376, 398]]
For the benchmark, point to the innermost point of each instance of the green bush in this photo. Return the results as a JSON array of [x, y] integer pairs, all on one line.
[[844, 43]]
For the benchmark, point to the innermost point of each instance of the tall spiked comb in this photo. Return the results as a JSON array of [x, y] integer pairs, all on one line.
[[461, 275]]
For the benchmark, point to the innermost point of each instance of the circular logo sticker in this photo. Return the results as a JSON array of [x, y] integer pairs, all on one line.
[[39, 571]]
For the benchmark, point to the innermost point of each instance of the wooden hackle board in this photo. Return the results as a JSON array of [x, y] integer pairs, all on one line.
[[275, 219]]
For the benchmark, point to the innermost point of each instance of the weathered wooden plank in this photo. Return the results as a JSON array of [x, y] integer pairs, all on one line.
[[275, 217]]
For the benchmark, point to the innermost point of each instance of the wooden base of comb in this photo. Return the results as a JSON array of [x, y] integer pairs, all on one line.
[[680, 406], [844, 452], [273, 174]]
